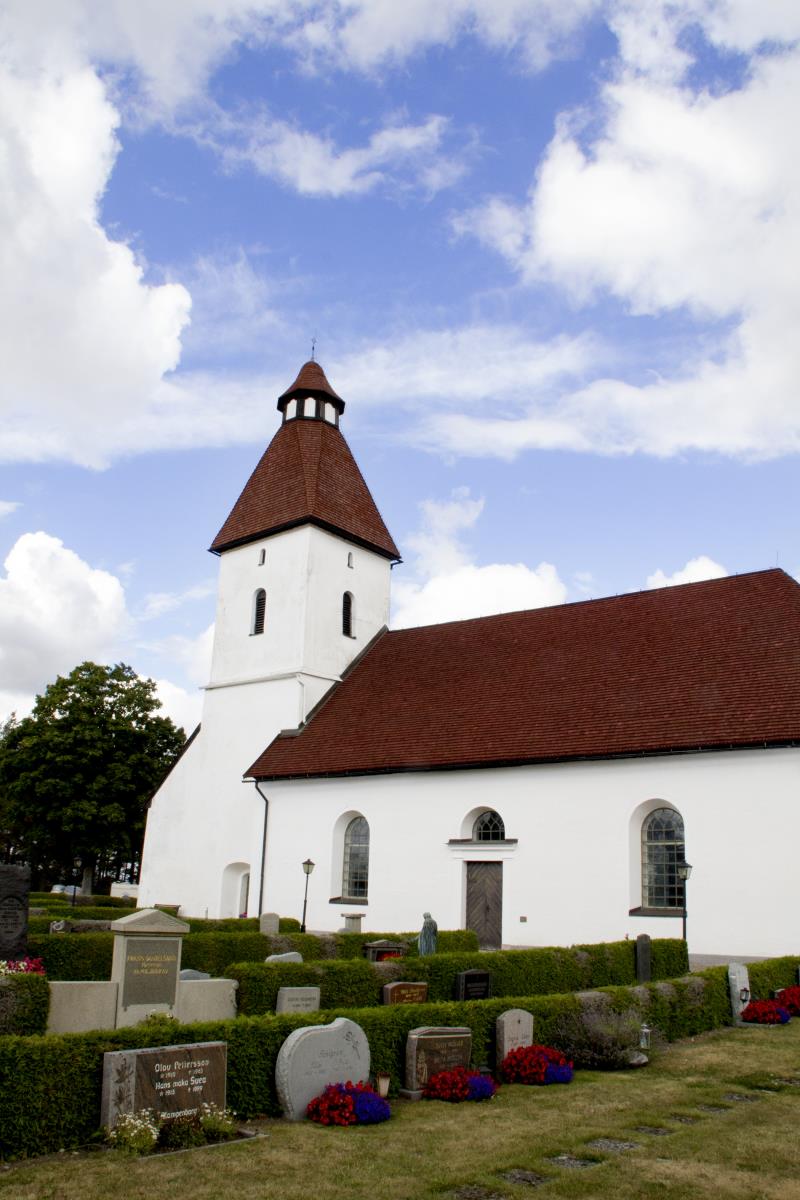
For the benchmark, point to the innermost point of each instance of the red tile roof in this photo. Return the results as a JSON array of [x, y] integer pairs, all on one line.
[[703, 665], [307, 474], [311, 381]]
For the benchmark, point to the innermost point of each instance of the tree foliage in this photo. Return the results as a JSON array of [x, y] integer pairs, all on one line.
[[77, 774]]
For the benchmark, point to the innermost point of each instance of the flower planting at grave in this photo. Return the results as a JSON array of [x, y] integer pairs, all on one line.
[[144, 1133], [536, 1065], [21, 966], [765, 1012], [459, 1084], [348, 1104], [789, 998]]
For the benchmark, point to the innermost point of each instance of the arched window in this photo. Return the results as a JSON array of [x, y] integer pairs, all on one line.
[[663, 848], [355, 866], [347, 614], [349, 558], [262, 557], [259, 610], [489, 827]]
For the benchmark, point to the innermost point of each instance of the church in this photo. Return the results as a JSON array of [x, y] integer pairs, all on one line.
[[578, 773]]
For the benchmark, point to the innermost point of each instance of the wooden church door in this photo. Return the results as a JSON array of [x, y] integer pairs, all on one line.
[[485, 902]]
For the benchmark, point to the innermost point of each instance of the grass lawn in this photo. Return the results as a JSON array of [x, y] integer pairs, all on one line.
[[714, 1116]]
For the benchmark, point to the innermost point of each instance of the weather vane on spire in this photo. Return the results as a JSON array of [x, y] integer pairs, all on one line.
[[313, 348]]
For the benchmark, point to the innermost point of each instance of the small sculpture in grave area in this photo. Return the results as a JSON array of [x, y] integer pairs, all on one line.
[[428, 935]]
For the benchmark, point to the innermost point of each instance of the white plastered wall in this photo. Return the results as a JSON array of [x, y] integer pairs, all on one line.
[[205, 826], [574, 871]]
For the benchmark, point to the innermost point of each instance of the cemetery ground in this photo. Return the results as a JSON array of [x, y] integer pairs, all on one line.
[[715, 1116]]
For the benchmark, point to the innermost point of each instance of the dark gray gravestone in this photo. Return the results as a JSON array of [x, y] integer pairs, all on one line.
[[151, 971], [473, 985], [430, 1049], [644, 958], [173, 1081], [15, 883]]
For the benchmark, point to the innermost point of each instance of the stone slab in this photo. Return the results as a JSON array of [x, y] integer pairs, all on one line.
[[432, 1048], [150, 971], [514, 1028], [315, 1056], [80, 1006], [189, 973], [738, 978], [15, 885], [405, 993], [644, 958], [269, 923], [173, 1081], [297, 999], [206, 1000], [289, 956], [472, 985]]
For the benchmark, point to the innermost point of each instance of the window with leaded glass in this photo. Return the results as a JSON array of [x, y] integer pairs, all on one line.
[[347, 614], [259, 610], [489, 827], [663, 848], [355, 872]]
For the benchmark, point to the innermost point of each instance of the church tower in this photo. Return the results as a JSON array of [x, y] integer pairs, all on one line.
[[304, 578]]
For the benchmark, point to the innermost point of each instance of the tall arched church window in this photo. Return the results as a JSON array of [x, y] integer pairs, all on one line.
[[259, 610], [489, 827], [355, 867], [663, 848], [347, 614]]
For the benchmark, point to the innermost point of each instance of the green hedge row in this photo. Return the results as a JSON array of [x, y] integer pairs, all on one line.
[[88, 955], [514, 973], [24, 1004], [50, 1087], [61, 900]]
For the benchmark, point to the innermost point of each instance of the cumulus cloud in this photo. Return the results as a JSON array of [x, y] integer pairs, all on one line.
[[685, 201], [450, 587], [696, 569], [7, 507]]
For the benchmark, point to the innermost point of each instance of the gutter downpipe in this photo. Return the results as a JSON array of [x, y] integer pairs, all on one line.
[[263, 850]]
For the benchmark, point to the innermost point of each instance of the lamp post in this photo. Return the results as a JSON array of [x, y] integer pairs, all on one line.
[[308, 867], [684, 870]]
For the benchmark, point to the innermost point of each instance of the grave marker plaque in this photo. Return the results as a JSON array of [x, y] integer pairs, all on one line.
[[514, 1028], [434, 1048], [173, 1081], [14, 888], [297, 999], [150, 971], [473, 985], [405, 993]]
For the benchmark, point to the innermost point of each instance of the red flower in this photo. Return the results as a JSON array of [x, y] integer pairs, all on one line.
[[536, 1065], [765, 1012]]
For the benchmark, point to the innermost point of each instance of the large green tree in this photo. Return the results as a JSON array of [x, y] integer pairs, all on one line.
[[77, 774]]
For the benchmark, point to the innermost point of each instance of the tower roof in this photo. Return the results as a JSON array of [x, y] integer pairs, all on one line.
[[307, 475], [311, 381]]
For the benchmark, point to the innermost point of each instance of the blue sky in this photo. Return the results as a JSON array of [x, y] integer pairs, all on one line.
[[547, 250]]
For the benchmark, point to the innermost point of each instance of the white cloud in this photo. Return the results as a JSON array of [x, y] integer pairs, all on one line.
[[55, 611], [7, 507], [696, 569], [183, 707], [450, 587], [687, 201], [158, 603], [399, 153], [193, 654]]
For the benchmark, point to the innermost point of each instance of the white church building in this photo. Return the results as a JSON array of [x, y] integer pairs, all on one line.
[[541, 777]]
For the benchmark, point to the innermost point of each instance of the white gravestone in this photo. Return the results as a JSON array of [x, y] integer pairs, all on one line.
[[297, 999], [514, 1028], [269, 923], [315, 1056], [738, 982], [289, 956]]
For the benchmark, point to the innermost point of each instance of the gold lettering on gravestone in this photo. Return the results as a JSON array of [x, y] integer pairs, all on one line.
[[150, 971]]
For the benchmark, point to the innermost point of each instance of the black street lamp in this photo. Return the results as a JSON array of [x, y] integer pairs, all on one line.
[[308, 867], [684, 870]]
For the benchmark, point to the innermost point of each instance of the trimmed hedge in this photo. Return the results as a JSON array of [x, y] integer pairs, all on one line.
[[50, 1087], [24, 1004]]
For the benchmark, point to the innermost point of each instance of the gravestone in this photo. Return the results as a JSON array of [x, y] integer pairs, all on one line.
[[289, 956], [269, 923], [405, 993], [434, 1048], [644, 958], [173, 1081], [15, 885], [738, 980], [472, 985], [146, 963], [189, 973], [297, 999], [315, 1056], [383, 949], [514, 1028]]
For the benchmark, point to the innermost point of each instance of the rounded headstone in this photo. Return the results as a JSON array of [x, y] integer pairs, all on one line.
[[315, 1056]]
